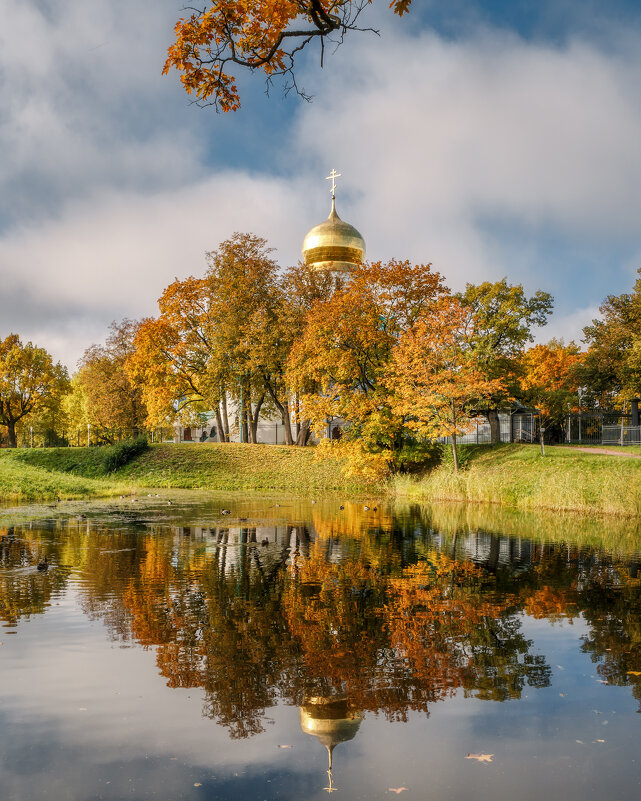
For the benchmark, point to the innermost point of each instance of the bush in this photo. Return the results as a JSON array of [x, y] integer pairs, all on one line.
[[117, 456]]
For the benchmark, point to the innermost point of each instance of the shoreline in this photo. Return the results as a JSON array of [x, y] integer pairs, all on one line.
[[508, 476]]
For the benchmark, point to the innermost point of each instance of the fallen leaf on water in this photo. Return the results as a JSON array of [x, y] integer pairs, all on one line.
[[285, 746], [82, 709], [396, 790], [480, 757], [197, 784], [598, 741], [602, 681], [630, 672], [580, 742]]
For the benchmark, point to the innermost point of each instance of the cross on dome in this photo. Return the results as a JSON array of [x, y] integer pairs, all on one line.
[[333, 176]]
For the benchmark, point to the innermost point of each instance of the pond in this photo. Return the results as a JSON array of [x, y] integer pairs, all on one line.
[[185, 646]]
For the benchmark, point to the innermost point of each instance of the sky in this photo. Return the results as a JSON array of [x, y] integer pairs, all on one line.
[[489, 138]]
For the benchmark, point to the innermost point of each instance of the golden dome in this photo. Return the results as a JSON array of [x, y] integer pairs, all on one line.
[[333, 245]]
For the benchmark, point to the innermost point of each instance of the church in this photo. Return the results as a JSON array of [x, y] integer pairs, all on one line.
[[333, 246]]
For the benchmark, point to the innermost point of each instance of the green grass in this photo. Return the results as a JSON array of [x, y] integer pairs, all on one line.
[[21, 481], [30, 474], [234, 466], [519, 477], [514, 476]]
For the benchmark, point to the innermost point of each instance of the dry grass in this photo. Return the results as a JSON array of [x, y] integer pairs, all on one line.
[[518, 476]]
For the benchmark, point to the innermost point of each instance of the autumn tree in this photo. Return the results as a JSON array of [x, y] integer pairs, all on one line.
[[550, 378], [501, 318], [112, 399], [30, 382], [271, 334], [263, 35], [435, 381], [202, 347], [612, 365], [342, 357]]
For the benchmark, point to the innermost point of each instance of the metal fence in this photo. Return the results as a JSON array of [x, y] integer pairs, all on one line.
[[585, 428], [621, 435], [522, 427]]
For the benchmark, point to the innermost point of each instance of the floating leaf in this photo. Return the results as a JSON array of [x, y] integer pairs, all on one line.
[[396, 790], [480, 757]]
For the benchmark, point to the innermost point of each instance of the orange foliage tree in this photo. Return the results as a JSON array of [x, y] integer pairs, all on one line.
[[199, 350], [550, 379], [435, 380], [112, 401], [340, 361], [263, 35]]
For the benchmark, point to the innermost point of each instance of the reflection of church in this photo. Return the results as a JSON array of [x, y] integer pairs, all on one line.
[[331, 720], [332, 246]]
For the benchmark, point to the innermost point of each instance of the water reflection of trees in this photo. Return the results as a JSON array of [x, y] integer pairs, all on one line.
[[390, 617]]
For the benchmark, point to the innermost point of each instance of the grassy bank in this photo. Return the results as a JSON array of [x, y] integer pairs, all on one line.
[[514, 476], [27, 474], [20, 481], [519, 477]]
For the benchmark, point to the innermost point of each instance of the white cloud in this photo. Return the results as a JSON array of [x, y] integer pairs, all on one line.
[[443, 145], [568, 327], [444, 135], [113, 257]]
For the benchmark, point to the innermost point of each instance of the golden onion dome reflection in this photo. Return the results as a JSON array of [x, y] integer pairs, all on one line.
[[333, 245], [332, 721]]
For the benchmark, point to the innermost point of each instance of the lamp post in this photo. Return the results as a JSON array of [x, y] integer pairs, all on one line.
[[31, 430], [580, 426], [88, 433]]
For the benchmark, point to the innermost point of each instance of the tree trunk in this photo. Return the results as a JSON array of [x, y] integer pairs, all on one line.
[[289, 440], [255, 417], [297, 410], [225, 418], [245, 426], [283, 408], [11, 431], [495, 426], [303, 433], [454, 453], [219, 424]]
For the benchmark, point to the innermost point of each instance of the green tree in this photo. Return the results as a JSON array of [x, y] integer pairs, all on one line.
[[612, 365], [30, 382], [500, 320]]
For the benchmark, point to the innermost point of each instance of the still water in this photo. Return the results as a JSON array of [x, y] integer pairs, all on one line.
[[172, 650]]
